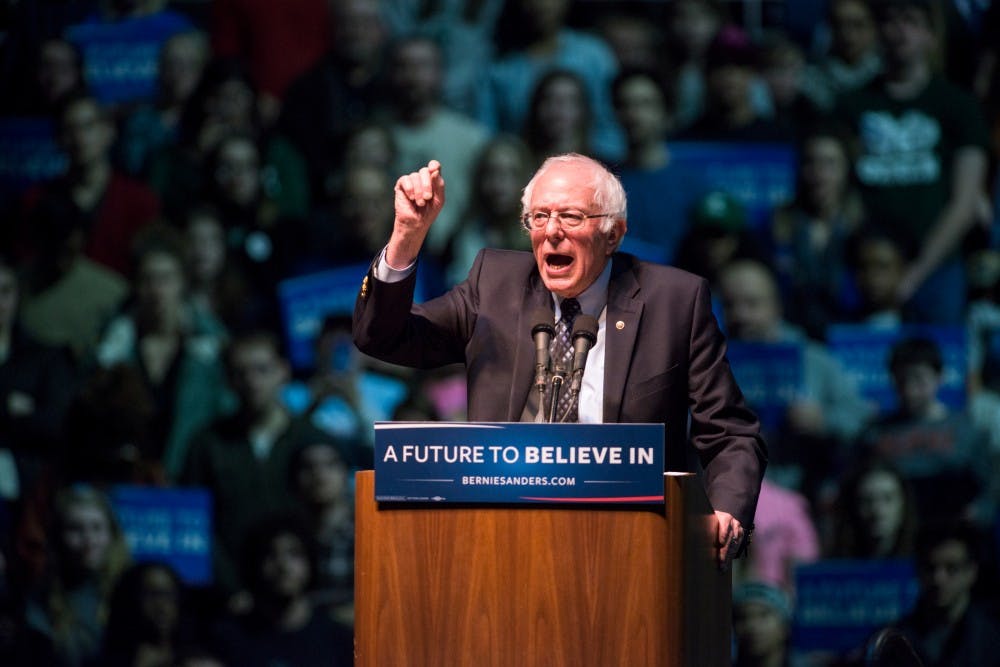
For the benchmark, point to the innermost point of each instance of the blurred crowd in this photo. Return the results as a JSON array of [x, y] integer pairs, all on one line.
[[168, 169]]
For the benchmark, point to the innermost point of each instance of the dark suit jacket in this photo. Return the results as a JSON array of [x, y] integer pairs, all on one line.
[[664, 355]]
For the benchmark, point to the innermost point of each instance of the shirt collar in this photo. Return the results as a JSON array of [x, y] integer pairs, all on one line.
[[594, 298]]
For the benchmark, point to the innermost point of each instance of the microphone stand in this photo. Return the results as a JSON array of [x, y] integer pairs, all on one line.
[[558, 376]]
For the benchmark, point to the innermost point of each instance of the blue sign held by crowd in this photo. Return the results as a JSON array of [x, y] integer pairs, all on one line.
[[840, 603], [168, 525], [760, 176], [863, 352], [770, 375]]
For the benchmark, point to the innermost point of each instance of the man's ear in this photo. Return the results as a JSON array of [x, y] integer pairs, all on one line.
[[614, 235]]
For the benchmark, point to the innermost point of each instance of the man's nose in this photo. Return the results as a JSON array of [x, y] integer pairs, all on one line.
[[553, 228]]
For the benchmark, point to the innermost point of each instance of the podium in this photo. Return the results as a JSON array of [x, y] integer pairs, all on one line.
[[506, 586]]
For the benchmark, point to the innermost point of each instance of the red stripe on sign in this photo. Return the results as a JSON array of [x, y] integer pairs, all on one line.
[[615, 499]]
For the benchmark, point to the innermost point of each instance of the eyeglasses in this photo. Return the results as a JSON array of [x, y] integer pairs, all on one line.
[[536, 220]]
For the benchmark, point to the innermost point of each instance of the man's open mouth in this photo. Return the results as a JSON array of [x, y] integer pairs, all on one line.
[[558, 261]]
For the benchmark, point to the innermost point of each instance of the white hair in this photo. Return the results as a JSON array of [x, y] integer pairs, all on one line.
[[609, 195]]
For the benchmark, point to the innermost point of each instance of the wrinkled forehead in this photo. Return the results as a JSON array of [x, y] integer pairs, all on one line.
[[572, 182]]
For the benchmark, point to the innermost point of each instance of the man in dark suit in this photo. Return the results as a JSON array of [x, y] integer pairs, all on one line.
[[659, 355]]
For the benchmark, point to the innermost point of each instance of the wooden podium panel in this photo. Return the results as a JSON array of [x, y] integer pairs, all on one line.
[[523, 585]]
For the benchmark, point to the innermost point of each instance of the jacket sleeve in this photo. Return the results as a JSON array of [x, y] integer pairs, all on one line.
[[724, 431], [389, 326]]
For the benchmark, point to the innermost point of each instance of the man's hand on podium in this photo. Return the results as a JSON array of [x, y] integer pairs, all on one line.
[[728, 538]]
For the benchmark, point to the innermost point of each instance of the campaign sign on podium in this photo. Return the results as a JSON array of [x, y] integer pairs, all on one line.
[[518, 463]]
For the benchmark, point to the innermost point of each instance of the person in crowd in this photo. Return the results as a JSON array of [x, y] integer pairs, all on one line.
[[20, 644], [559, 116], [89, 554], [416, 408], [223, 105], [782, 69], [277, 43], [876, 265], [637, 41], [827, 412], [67, 299], [176, 353], [438, 394], [145, 618], [575, 212], [422, 126], [853, 59], [784, 536], [537, 40], [243, 459], [718, 234], [692, 25], [344, 392], [55, 75], [199, 656], [762, 626], [983, 321], [948, 626], [495, 206], [985, 81], [464, 31], [643, 102], [36, 386], [809, 235], [983, 326], [262, 236], [282, 626], [217, 289], [936, 448], [360, 218], [731, 112], [371, 143], [874, 515], [922, 162], [153, 125], [107, 206], [319, 479], [343, 89], [369, 155], [110, 430]]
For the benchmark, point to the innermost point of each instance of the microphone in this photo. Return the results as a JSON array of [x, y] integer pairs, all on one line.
[[542, 332], [584, 337]]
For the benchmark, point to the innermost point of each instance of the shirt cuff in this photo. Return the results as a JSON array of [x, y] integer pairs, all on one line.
[[387, 274]]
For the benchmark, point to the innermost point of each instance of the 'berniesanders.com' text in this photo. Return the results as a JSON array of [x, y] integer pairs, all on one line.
[[515, 480]]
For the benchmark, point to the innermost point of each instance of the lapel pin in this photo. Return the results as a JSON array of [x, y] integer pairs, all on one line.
[[364, 288], [619, 325]]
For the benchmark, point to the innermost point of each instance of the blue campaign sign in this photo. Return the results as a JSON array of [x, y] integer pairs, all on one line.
[[761, 176], [28, 153], [863, 352], [518, 462], [168, 525], [840, 603], [121, 57], [306, 300], [770, 375]]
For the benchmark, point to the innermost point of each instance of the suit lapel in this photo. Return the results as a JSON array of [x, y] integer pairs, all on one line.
[[534, 296], [621, 328]]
